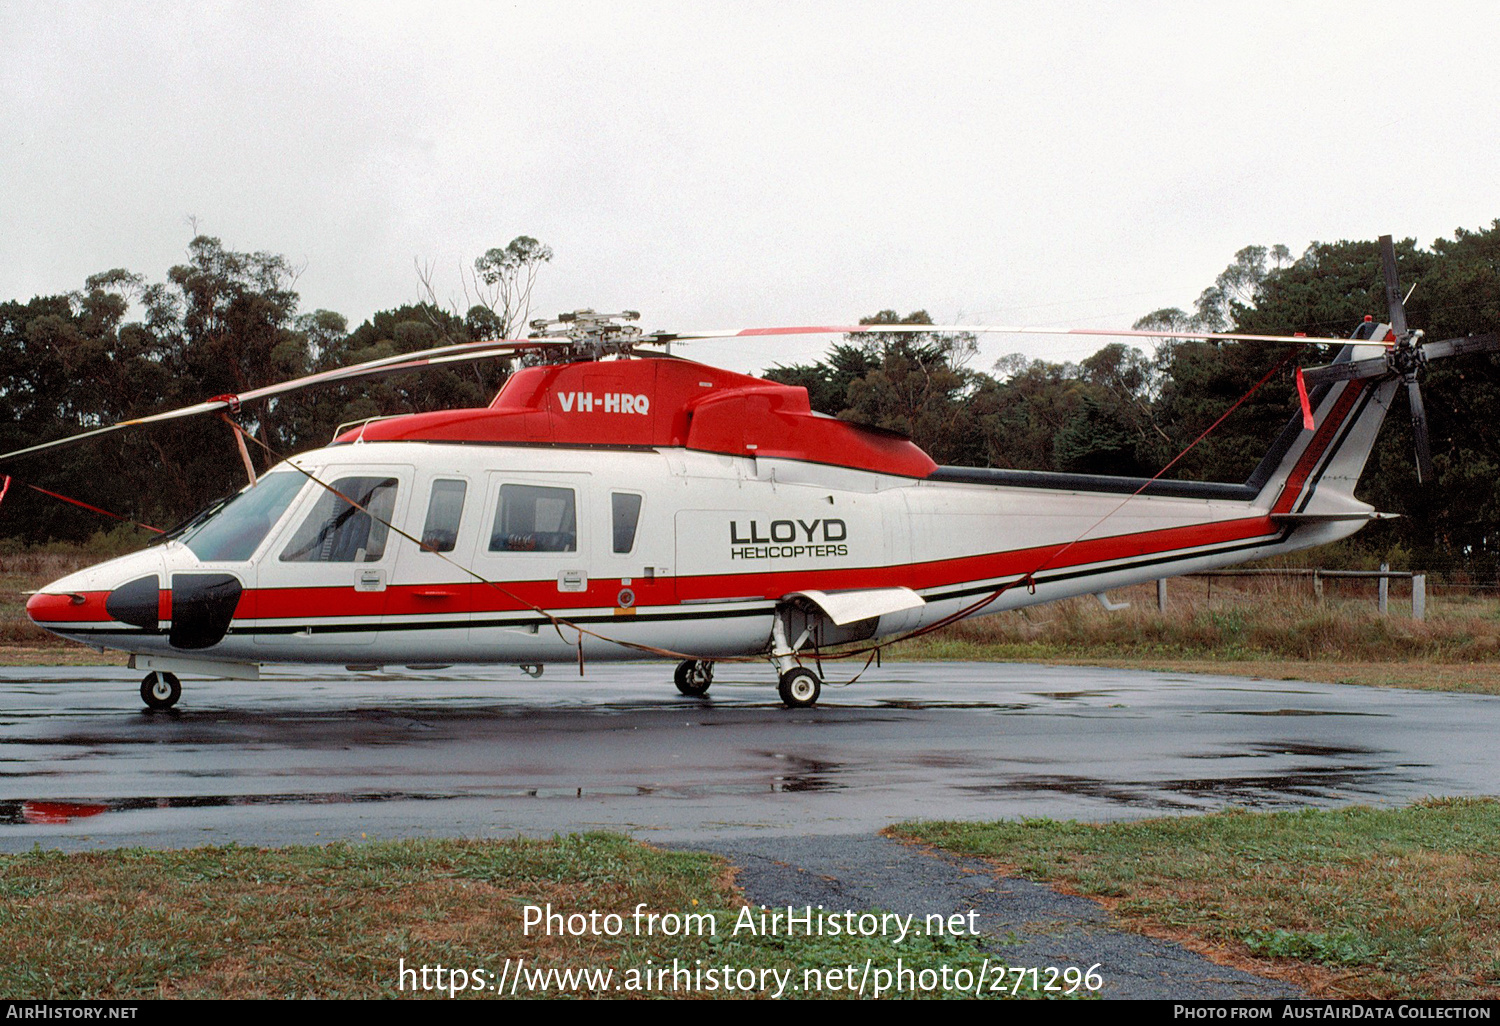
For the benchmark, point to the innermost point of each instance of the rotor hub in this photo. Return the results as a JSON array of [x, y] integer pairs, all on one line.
[[1406, 357], [589, 336]]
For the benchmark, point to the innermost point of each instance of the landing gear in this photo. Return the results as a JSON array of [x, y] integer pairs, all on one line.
[[799, 688], [160, 691], [693, 677]]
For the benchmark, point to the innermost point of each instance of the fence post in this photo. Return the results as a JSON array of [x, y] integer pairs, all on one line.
[[1161, 595], [1419, 596], [1318, 587], [1385, 587]]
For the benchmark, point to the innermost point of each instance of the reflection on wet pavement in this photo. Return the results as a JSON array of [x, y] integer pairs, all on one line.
[[298, 756]]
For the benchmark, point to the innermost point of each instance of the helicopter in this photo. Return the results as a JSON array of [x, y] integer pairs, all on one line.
[[617, 502]]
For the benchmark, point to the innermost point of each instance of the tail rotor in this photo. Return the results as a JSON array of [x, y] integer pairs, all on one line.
[[1405, 357]]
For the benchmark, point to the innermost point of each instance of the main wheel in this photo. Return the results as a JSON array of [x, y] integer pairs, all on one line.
[[799, 687], [693, 677], [160, 691]]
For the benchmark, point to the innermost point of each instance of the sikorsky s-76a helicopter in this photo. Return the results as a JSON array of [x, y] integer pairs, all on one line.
[[611, 504]]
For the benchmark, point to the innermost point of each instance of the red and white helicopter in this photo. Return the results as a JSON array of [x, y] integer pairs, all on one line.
[[610, 504]]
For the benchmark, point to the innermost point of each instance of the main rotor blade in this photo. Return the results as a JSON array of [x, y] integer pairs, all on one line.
[[1392, 286], [460, 353], [990, 329], [1425, 471]]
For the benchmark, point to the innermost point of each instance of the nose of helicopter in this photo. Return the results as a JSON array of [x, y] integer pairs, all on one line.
[[179, 609], [52, 606], [122, 591]]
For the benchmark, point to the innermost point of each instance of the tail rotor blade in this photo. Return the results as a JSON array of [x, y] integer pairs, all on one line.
[[1392, 287], [1425, 472], [1487, 343]]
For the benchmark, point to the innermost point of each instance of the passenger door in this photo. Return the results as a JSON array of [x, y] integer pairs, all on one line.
[[533, 545]]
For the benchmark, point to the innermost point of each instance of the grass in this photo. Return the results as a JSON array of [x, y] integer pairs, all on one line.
[[21, 570], [1353, 902], [1260, 628], [337, 921]]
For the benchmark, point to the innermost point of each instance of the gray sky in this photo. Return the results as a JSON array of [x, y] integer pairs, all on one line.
[[718, 165]]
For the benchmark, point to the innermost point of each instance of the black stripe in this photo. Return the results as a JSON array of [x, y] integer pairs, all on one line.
[[1136, 564], [1054, 481]]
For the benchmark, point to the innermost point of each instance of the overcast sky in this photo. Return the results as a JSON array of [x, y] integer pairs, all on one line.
[[718, 165]]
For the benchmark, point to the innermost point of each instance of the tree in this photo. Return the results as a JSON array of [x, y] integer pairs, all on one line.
[[509, 274], [828, 381], [497, 292], [918, 386]]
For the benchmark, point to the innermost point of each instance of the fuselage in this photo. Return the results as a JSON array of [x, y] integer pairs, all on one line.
[[463, 549]]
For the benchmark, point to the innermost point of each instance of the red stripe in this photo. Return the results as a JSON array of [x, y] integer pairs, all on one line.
[[45, 608], [1317, 447], [416, 599], [965, 569], [815, 329]]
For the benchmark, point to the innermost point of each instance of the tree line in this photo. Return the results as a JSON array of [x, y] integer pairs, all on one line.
[[225, 322], [1128, 412]]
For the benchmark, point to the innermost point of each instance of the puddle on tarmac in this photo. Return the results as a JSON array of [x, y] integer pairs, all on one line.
[[51, 812], [1289, 712], [1290, 788], [1267, 749], [917, 704]]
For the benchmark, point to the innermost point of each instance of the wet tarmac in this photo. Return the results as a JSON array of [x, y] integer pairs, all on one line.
[[311, 756]]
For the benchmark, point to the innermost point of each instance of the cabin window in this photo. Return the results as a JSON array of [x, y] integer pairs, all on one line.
[[338, 531], [626, 509], [235, 530], [444, 509], [535, 519]]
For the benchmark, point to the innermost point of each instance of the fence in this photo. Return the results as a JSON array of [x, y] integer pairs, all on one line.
[[1384, 575]]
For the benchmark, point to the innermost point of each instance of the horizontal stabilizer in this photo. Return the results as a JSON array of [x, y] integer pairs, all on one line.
[[1328, 518], [844, 607]]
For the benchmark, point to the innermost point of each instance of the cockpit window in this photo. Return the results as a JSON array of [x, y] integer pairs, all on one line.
[[337, 531], [233, 531], [534, 519]]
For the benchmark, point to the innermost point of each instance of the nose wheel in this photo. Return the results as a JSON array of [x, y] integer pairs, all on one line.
[[693, 677], [799, 688], [160, 691]]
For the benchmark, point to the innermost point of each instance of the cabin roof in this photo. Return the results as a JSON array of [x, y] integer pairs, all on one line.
[[659, 402]]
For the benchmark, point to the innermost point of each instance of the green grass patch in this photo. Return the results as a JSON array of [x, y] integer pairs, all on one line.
[[1354, 902], [337, 921]]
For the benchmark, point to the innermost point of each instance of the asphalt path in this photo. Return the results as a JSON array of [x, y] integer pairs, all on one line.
[[303, 757], [794, 798]]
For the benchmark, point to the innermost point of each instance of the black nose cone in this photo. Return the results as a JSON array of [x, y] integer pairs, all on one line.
[[202, 607], [136, 603]]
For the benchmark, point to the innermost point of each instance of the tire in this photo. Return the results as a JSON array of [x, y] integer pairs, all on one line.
[[693, 677], [799, 688], [160, 691]]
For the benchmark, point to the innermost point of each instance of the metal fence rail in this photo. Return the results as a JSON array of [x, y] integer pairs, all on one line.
[[1384, 575]]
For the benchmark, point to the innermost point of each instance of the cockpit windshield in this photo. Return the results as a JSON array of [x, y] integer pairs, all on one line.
[[232, 529]]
